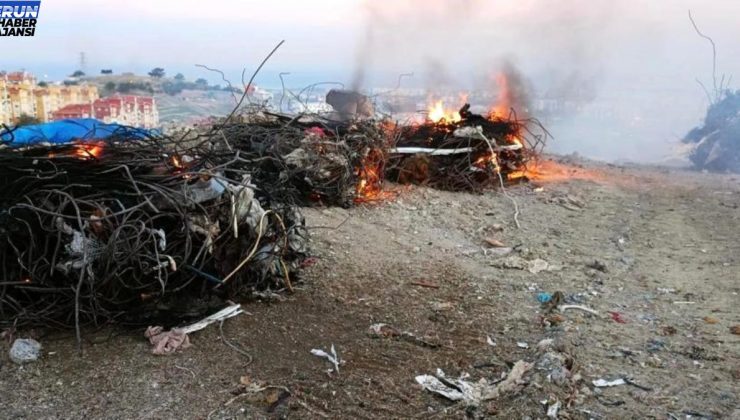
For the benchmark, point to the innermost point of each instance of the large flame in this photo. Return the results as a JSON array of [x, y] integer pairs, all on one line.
[[437, 113], [502, 108]]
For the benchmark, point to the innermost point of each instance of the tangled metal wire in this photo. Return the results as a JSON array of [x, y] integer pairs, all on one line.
[[143, 229], [125, 229], [465, 155]]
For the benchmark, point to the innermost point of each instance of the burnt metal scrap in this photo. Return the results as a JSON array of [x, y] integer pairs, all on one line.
[[717, 142], [471, 153], [157, 229], [133, 232]]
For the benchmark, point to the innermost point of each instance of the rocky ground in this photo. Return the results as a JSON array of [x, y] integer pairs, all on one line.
[[654, 252]]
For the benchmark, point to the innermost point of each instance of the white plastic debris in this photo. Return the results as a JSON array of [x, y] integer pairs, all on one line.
[[473, 132], [168, 342], [473, 393], [332, 358], [226, 313], [603, 383], [204, 190], [564, 308], [490, 341], [552, 410], [245, 207], [25, 350], [545, 343], [430, 151], [537, 265], [522, 345], [432, 384]]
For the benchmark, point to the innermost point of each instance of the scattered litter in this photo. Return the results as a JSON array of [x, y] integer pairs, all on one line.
[[556, 365], [545, 344], [597, 265], [226, 313], [494, 243], [25, 350], [564, 308], [544, 297], [537, 265], [432, 384], [332, 358], [710, 320], [553, 319], [684, 302], [655, 345], [490, 341], [603, 383], [617, 317], [513, 262], [735, 329], [474, 393], [555, 300], [168, 342], [668, 330], [636, 385], [381, 330], [522, 345], [552, 410], [498, 252], [442, 306]]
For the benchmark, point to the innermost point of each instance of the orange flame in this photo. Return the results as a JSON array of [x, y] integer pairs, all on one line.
[[370, 184], [437, 113], [502, 108], [88, 151], [176, 162]]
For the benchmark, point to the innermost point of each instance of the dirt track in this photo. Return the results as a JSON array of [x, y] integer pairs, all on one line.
[[669, 243]]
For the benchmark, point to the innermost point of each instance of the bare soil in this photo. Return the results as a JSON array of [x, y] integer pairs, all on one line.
[[654, 251]]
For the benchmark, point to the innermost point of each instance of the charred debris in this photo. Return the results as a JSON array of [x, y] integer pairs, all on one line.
[[164, 228], [717, 142]]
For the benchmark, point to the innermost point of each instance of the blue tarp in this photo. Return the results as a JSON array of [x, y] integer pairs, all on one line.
[[65, 131]]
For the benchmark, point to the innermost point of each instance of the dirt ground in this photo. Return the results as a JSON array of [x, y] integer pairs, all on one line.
[[654, 251]]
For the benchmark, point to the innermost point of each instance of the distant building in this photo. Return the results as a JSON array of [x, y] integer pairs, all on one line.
[[137, 111], [21, 95]]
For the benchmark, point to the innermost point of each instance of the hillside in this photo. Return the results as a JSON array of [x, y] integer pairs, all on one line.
[[183, 107]]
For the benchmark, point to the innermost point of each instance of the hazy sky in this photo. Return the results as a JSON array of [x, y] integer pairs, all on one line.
[[650, 36], [642, 55]]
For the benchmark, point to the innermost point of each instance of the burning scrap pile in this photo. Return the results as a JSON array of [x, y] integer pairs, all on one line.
[[463, 151], [135, 230], [141, 229], [306, 160], [717, 141]]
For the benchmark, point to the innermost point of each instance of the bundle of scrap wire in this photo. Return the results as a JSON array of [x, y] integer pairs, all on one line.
[[300, 161], [471, 154], [135, 232]]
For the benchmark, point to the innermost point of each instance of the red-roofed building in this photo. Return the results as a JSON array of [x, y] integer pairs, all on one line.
[[137, 111], [74, 111]]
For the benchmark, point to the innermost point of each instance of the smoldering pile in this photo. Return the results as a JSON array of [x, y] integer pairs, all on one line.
[[301, 160], [154, 229], [717, 141], [469, 153], [135, 231]]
